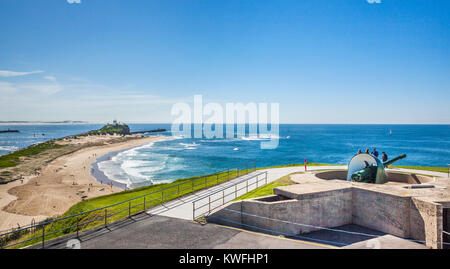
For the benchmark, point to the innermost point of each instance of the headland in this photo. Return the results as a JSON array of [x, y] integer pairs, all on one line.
[[46, 179]]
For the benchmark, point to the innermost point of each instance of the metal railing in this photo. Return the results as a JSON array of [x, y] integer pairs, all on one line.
[[203, 206], [73, 224]]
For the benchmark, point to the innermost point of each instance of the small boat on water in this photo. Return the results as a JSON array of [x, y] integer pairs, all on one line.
[[9, 131]]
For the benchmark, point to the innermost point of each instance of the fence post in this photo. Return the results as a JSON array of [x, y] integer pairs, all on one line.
[[246, 187], [129, 209], [266, 178], [206, 178], [192, 184], [43, 236], [106, 217], [193, 210], [178, 190], [162, 197], [78, 229], [144, 203]]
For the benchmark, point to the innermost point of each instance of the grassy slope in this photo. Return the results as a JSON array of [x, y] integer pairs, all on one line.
[[425, 168], [117, 212], [301, 164]]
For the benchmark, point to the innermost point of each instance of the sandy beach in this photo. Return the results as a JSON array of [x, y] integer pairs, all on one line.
[[60, 184]]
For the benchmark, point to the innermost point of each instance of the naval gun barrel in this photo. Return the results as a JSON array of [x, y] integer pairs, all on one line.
[[394, 160]]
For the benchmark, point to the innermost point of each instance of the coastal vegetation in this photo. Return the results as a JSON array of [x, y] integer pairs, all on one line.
[[111, 129], [30, 160], [12, 159]]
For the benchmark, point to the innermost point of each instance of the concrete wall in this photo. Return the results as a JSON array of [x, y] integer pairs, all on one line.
[[227, 215], [331, 210], [405, 217], [426, 222], [380, 211]]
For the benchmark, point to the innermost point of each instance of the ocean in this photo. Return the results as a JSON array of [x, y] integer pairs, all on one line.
[[165, 161]]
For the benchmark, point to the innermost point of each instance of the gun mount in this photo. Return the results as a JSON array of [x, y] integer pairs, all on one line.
[[369, 169]]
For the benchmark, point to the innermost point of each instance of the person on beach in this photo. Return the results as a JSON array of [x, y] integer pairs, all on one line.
[[359, 151], [367, 151], [375, 152], [384, 156]]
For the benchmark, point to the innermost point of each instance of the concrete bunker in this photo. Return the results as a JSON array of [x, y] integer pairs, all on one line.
[[326, 199]]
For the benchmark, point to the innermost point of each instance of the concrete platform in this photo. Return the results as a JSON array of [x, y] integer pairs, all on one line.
[[158, 232]]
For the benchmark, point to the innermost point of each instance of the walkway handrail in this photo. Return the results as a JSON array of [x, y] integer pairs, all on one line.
[[232, 185], [222, 198], [105, 208]]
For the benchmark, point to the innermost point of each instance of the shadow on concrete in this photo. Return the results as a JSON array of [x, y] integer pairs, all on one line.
[[330, 175], [340, 239]]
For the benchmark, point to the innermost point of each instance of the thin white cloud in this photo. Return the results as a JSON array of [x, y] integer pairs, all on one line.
[[23, 89], [74, 1], [45, 88], [50, 78], [7, 73]]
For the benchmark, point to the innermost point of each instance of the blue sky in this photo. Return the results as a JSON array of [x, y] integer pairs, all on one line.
[[324, 61]]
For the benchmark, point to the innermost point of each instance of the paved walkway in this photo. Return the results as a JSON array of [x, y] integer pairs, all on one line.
[[223, 193], [158, 232]]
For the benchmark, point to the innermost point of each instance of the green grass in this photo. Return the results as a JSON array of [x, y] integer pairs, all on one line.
[[425, 168], [12, 159], [300, 164], [111, 129], [120, 211], [267, 189]]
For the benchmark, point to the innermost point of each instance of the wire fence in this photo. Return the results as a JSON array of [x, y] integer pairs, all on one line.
[[101, 217]]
